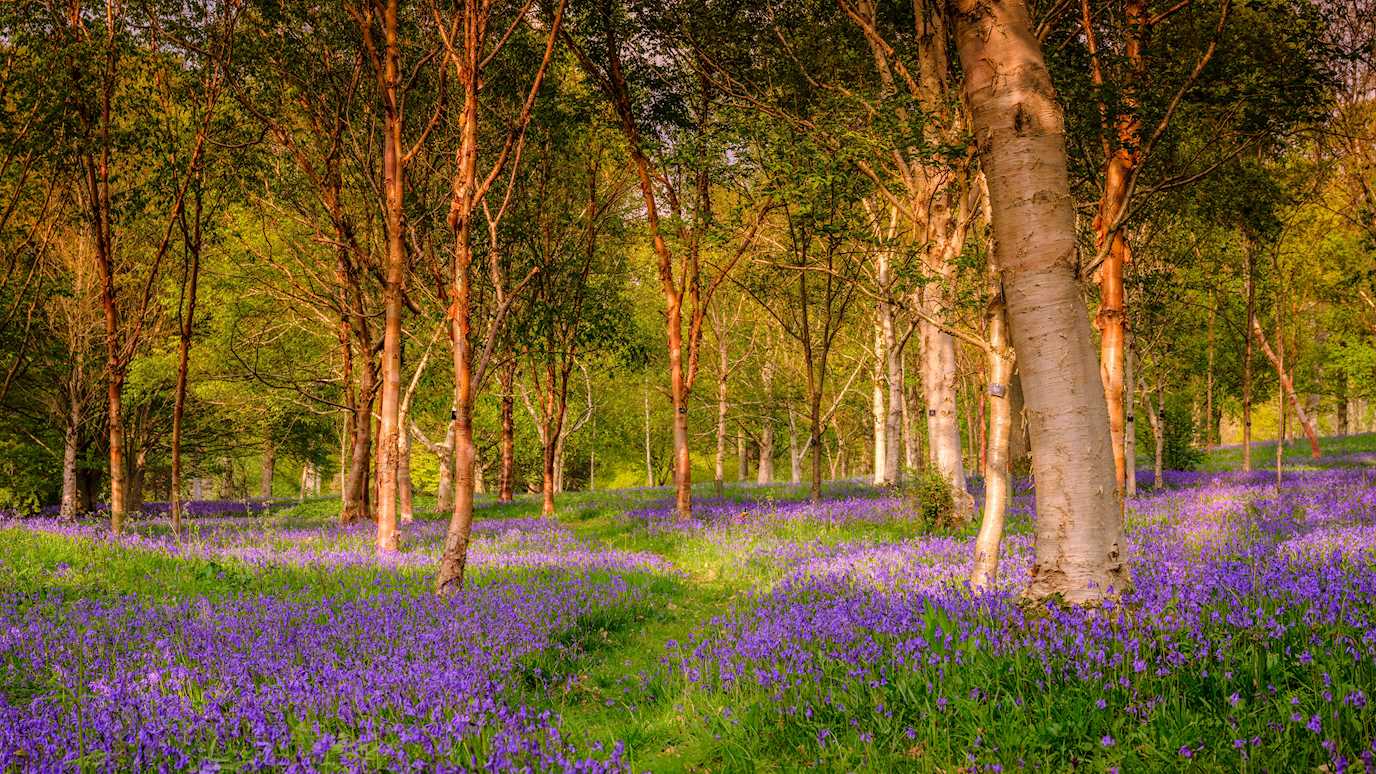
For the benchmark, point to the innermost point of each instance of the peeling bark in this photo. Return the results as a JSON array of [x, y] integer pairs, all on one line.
[[1019, 129]]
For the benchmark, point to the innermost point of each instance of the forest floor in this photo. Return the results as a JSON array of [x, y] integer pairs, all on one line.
[[767, 634]]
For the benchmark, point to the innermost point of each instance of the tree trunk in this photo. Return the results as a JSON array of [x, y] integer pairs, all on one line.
[[360, 452], [547, 478], [678, 394], [71, 446], [390, 428], [945, 449], [1288, 386], [1111, 345], [1129, 420], [765, 469], [795, 455], [842, 460], [184, 331], [454, 559], [911, 438], [1251, 293], [406, 492], [1280, 403], [114, 394], [894, 420], [742, 458], [723, 372], [1209, 437], [1110, 239], [444, 497], [269, 468], [1158, 434], [997, 484], [1019, 444], [137, 468], [1343, 422], [815, 425], [1019, 129], [881, 443], [506, 476], [982, 428], [560, 462], [649, 456]]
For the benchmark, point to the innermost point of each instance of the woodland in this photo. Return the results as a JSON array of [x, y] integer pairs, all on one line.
[[700, 385]]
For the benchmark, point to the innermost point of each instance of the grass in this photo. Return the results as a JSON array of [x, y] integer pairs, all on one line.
[[612, 682], [1297, 452]]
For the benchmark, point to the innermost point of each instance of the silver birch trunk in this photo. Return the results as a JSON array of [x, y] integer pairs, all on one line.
[[1019, 130]]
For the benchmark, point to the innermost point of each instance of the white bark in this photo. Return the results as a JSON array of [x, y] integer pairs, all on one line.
[[943, 420], [881, 443], [1019, 130]]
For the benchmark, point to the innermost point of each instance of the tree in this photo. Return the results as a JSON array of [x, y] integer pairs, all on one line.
[[469, 48], [681, 278], [1019, 132]]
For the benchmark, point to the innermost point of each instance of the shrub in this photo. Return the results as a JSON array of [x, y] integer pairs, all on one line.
[[926, 497]]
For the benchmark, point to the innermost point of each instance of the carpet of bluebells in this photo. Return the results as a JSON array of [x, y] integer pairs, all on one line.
[[766, 633]]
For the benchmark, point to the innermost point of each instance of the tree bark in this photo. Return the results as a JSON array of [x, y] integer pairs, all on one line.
[[406, 492], [893, 381], [506, 473], [269, 468], [815, 425], [649, 455], [360, 451], [1209, 426], [138, 466], [945, 449], [1019, 129], [795, 454], [1343, 422], [1280, 400], [912, 440], [454, 558], [185, 326], [469, 189], [1129, 419], [554, 404], [444, 498], [742, 458], [881, 417], [765, 469], [997, 484], [1287, 384], [764, 472], [114, 370], [71, 446], [393, 183], [723, 373], [1120, 161], [305, 487], [1156, 416], [1251, 293], [1019, 445]]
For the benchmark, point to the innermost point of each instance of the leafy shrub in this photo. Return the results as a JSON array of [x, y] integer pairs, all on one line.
[[926, 496]]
